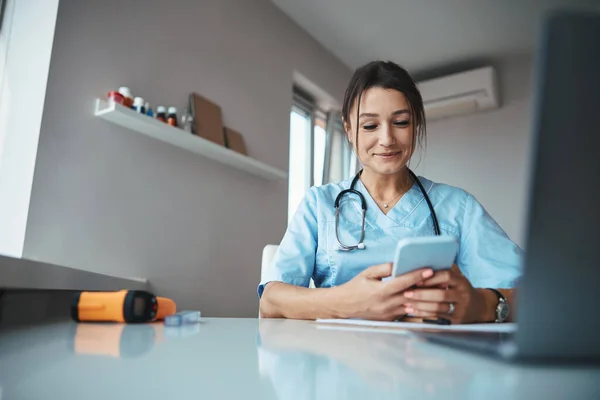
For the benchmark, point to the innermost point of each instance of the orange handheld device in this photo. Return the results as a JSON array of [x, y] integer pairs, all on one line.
[[120, 306]]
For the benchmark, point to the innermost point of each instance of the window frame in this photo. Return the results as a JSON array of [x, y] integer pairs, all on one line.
[[307, 106], [303, 103]]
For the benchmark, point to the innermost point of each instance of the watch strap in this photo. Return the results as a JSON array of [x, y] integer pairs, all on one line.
[[501, 299], [500, 295]]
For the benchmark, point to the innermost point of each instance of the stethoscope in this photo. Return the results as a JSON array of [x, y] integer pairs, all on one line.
[[360, 245]]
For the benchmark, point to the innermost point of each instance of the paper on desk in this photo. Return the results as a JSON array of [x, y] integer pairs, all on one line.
[[362, 323]]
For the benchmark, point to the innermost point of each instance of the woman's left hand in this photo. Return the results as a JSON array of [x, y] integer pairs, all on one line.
[[448, 294]]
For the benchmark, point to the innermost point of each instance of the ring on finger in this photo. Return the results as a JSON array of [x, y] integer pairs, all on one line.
[[451, 308]]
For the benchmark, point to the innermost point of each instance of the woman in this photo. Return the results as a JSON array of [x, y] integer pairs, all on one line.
[[384, 119]]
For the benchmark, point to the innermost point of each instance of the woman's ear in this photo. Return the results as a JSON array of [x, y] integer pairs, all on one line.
[[348, 130]]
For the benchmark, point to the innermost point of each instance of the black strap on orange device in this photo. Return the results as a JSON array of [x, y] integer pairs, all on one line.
[[120, 306]]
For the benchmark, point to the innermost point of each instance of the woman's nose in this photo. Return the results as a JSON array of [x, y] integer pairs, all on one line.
[[385, 135]]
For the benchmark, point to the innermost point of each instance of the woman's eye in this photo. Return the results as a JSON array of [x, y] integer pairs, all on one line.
[[369, 127], [401, 123]]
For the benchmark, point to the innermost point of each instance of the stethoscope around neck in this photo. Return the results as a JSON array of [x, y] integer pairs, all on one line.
[[360, 245]]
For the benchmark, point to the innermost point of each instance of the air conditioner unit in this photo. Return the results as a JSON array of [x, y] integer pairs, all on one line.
[[459, 94]]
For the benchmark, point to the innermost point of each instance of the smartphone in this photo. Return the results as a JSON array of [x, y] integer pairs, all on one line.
[[435, 252]]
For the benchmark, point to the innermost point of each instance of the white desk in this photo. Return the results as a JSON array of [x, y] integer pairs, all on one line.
[[261, 359]]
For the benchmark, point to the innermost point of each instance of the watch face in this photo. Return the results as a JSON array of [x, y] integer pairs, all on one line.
[[502, 311]]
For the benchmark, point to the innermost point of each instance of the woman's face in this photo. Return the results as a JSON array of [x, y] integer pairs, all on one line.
[[385, 130]]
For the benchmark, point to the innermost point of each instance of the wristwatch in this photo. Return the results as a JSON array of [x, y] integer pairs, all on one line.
[[502, 308]]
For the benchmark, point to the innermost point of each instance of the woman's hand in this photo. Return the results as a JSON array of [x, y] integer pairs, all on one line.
[[367, 296], [450, 295]]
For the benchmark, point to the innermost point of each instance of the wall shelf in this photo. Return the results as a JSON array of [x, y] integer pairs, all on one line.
[[128, 118], [21, 273]]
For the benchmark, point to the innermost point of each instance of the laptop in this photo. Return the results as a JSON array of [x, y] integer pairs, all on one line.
[[558, 304]]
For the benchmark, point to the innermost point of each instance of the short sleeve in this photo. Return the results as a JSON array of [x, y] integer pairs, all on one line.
[[294, 260], [487, 257]]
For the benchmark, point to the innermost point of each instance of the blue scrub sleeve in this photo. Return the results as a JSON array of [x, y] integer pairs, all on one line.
[[294, 260], [487, 256]]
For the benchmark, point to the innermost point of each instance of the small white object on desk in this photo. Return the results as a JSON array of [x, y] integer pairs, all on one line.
[[183, 318]]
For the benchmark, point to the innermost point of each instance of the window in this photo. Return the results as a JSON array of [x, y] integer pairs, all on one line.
[[2, 4], [300, 143], [319, 137], [318, 153]]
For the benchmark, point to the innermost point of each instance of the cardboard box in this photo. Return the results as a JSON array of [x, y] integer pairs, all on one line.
[[234, 141], [208, 121]]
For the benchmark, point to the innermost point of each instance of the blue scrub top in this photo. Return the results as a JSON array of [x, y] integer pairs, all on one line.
[[309, 249]]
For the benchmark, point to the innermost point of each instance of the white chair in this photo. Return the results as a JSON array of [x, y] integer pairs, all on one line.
[[267, 256]]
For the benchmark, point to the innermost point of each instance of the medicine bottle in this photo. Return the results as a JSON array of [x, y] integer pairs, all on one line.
[[127, 96], [138, 105], [161, 114], [172, 117]]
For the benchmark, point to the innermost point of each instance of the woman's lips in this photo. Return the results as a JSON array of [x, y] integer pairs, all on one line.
[[388, 156]]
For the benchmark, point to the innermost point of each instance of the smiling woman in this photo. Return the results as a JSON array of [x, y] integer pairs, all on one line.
[[395, 95], [385, 128], [384, 121]]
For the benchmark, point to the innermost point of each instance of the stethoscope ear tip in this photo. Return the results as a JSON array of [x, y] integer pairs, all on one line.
[[360, 246]]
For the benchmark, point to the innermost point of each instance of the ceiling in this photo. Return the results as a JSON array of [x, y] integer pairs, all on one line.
[[423, 35]]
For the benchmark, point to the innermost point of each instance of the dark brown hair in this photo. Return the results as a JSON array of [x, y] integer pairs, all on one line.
[[386, 75]]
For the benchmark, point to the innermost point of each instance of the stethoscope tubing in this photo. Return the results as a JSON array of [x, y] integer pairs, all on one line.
[[360, 245]]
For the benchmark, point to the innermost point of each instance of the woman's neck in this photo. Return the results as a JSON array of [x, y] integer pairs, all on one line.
[[386, 187]]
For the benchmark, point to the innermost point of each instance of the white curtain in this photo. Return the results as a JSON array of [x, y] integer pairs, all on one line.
[[340, 160]]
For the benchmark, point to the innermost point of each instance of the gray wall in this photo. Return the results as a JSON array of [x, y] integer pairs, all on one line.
[[108, 200], [487, 153]]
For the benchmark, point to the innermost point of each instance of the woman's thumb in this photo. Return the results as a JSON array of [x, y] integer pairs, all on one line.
[[379, 271]]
